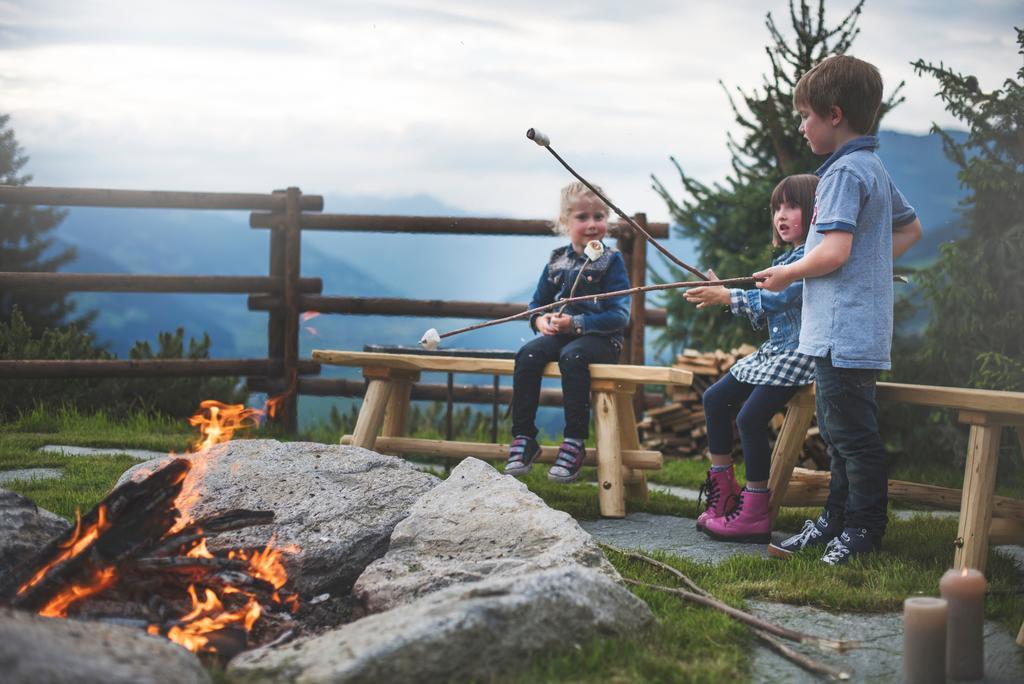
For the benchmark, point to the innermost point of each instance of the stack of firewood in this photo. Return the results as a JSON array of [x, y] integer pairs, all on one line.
[[678, 428]]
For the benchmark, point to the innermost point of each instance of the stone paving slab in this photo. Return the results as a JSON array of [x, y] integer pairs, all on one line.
[[880, 657], [30, 474], [137, 454], [671, 534]]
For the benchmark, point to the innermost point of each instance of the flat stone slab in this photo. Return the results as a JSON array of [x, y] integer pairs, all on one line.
[[880, 657], [137, 454], [668, 533], [30, 474], [679, 492]]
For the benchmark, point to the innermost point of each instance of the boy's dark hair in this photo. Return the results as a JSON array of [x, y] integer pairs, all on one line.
[[855, 86], [798, 190]]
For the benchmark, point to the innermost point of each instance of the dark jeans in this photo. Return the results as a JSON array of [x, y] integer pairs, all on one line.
[[759, 403], [574, 356], [848, 422]]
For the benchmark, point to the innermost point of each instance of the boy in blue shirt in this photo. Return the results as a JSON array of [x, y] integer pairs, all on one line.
[[861, 222]]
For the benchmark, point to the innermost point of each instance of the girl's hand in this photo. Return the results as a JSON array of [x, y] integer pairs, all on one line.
[[707, 296], [776, 278], [562, 323], [544, 326]]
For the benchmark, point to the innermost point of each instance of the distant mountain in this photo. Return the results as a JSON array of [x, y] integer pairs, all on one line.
[[929, 181]]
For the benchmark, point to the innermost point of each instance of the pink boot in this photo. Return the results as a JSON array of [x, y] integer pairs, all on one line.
[[749, 522], [722, 491]]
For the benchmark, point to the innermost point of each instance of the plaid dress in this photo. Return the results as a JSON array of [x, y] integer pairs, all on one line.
[[776, 362]]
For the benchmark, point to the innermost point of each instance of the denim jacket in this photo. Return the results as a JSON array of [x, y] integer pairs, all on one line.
[[779, 310], [607, 317]]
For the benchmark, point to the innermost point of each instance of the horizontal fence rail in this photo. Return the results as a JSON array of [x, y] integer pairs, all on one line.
[[147, 368], [152, 199], [123, 282], [431, 224], [462, 394], [395, 306]]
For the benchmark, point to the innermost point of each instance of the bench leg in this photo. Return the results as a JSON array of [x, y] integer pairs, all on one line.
[[636, 480], [976, 501], [371, 414], [611, 492], [788, 447], [396, 416]]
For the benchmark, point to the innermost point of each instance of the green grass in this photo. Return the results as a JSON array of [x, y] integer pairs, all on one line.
[[687, 644]]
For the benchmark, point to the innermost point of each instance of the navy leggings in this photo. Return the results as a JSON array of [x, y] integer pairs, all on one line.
[[574, 356], [759, 403]]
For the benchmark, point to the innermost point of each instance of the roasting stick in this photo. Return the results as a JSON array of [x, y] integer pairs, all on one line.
[[545, 142], [431, 338]]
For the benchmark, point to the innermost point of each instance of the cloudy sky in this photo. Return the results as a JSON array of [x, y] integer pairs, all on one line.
[[405, 97]]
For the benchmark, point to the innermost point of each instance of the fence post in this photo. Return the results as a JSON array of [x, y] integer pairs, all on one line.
[[638, 308], [292, 270], [626, 244], [275, 318]]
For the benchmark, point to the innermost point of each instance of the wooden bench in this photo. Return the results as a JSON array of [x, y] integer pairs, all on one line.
[[986, 411], [382, 421]]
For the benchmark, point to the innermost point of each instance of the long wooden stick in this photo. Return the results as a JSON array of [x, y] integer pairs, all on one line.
[[542, 140], [800, 659], [730, 282]]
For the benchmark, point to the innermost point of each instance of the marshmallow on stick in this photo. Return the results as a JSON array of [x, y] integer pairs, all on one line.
[[594, 250]]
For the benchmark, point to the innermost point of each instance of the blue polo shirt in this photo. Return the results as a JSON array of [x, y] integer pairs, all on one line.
[[848, 312]]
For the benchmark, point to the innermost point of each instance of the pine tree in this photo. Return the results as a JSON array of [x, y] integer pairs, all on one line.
[[730, 222], [25, 245], [975, 335]]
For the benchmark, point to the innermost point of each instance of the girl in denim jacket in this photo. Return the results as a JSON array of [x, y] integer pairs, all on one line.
[[757, 386], [576, 336]]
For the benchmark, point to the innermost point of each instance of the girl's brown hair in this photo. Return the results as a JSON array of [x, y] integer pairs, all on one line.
[[799, 190]]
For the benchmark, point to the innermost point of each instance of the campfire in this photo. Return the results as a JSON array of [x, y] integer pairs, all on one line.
[[139, 558]]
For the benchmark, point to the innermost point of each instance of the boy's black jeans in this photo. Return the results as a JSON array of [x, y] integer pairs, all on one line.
[[574, 356], [848, 422]]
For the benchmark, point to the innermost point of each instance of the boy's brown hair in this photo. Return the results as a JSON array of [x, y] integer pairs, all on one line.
[[799, 190], [853, 85]]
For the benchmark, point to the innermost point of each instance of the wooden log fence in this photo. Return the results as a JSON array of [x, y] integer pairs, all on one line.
[[284, 294], [139, 368], [121, 282]]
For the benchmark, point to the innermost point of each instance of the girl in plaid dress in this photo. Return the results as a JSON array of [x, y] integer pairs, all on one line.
[[757, 386]]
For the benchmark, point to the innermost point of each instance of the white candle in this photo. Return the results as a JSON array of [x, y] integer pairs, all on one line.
[[964, 590], [924, 640]]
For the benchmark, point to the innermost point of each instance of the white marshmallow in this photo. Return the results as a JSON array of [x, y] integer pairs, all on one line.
[[594, 250], [430, 339], [538, 137]]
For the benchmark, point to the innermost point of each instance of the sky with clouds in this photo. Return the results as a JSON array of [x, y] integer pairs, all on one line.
[[398, 98]]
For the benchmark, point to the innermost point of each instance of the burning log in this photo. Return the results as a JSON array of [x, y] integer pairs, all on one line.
[[136, 558], [119, 526]]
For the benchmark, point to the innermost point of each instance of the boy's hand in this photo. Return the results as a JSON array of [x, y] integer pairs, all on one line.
[[776, 278], [707, 296]]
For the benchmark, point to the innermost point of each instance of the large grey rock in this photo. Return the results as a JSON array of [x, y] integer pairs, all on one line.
[[467, 632], [24, 529], [54, 651], [476, 524], [336, 504]]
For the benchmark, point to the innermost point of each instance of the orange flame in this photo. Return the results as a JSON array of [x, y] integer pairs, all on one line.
[[218, 422], [58, 605], [80, 540], [208, 616]]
